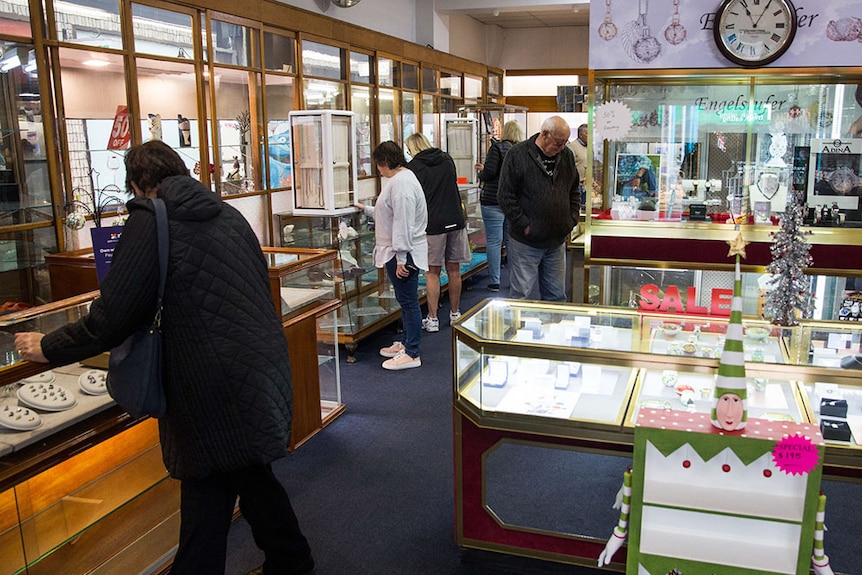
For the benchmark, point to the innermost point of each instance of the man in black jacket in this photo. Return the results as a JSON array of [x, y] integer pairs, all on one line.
[[447, 228], [538, 192]]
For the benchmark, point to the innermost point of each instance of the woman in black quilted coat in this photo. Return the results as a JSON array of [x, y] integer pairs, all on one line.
[[226, 370]]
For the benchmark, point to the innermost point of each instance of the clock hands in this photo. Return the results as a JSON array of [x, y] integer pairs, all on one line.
[[765, 8]]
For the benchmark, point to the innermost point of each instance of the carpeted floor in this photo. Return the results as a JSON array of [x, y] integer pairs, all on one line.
[[374, 490]]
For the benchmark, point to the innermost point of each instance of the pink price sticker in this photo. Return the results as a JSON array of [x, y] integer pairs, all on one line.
[[796, 455]]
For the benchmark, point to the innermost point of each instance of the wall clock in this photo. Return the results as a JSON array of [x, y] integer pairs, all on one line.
[[753, 33]]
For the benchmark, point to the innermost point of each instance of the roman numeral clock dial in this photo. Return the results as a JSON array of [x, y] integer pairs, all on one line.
[[753, 33]]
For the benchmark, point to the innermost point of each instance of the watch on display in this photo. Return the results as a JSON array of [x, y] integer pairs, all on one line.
[[842, 180], [753, 33]]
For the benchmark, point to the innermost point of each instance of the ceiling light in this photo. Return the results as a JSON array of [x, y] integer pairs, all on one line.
[[96, 63], [9, 63]]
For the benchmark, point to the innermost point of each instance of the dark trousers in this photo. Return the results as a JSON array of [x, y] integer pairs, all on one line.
[[206, 508]]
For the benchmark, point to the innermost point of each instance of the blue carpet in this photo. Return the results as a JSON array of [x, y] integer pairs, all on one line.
[[374, 490]]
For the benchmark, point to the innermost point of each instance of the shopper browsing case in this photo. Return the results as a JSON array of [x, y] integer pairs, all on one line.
[[538, 192], [496, 232], [447, 227], [226, 369], [400, 218]]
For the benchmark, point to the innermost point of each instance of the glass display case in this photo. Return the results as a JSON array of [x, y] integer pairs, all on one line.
[[75, 469], [323, 162], [536, 382], [545, 360], [682, 156], [461, 143], [368, 300], [305, 291], [586, 366]]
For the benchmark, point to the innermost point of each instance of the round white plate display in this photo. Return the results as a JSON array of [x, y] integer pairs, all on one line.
[[13, 416], [47, 396], [92, 382], [44, 377]]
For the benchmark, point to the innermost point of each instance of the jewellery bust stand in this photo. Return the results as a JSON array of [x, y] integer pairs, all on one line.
[[768, 188]]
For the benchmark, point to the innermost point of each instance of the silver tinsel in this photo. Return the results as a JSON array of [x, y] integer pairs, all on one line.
[[789, 297]]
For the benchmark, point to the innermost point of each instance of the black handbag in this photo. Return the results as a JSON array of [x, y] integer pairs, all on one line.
[[135, 367]]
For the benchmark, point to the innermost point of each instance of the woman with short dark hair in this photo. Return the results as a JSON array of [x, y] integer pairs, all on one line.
[[226, 371], [400, 246]]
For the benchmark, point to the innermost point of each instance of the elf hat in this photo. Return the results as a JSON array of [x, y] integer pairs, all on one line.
[[731, 366]]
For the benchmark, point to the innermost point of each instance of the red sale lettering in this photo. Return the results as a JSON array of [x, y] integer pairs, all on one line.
[[650, 297], [671, 301], [691, 298], [721, 299]]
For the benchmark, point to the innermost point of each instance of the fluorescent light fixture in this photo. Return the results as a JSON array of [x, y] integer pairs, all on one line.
[[9, 63], [96, 63]]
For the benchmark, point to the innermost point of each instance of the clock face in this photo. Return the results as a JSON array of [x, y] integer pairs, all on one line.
[[754, 32]]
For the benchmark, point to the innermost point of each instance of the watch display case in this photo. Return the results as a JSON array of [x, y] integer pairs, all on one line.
[[323, 162]]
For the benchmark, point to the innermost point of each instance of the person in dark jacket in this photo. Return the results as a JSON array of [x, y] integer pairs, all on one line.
[[538, 192], [447, 228], [492, 216], [226, 371]]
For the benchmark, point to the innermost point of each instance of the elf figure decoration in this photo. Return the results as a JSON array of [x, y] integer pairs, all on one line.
[[729, 412]]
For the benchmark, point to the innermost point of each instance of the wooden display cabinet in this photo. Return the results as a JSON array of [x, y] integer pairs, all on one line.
[[86, 491], [304, 294]]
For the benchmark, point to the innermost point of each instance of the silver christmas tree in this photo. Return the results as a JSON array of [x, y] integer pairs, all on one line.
[[789, 297]]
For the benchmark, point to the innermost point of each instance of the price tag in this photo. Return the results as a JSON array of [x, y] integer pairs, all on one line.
[[796, 455], [120, 135]]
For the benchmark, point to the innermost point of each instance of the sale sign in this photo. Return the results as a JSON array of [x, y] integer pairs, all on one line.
[[120, 135]]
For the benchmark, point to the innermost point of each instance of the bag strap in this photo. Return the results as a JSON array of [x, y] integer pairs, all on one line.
[[162, 236]]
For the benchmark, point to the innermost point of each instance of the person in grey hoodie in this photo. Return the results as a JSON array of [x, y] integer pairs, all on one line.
[[538, 193]]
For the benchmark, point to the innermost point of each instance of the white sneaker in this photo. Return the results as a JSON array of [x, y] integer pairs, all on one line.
[[393, 350], [454, 315], [402, 361], [431, 324]]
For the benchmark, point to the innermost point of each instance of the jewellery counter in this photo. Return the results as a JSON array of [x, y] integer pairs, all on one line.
[[83, 488], [537, 383]]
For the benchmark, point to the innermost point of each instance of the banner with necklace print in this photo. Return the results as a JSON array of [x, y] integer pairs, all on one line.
[[667, 34]]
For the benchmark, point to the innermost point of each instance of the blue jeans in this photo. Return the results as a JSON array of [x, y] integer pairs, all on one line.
[[496, 234], [407, 294], [537, 273]]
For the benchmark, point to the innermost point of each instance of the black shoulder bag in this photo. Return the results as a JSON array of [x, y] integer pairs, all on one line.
[[135, 367]]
